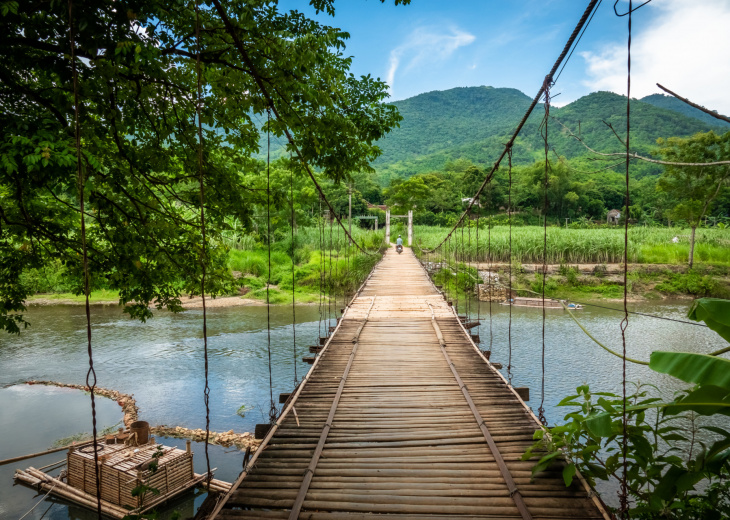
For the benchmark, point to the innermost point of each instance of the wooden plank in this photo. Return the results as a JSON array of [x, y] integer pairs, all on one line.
[[398, 429]]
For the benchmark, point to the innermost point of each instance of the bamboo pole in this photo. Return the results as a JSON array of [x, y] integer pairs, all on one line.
[[41, 453]]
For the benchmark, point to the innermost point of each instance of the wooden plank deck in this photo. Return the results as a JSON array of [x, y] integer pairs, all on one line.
[[402, 417]]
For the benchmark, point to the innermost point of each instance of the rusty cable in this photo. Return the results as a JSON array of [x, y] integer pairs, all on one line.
[[273, 411], [330, 286], [489, 267], [293, 274], [536, 99], [509, 296], [91, 373], [230, 29], [546, 88], [630, 9], [623, 492], [206, 389], [479, 301]]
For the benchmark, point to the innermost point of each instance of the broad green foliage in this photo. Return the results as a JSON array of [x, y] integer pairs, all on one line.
[[137, 89], [670, 474], [714, 312], [692, 368]]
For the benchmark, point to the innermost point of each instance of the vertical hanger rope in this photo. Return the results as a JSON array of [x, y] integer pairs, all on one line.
[[91, 373], [204, 258]]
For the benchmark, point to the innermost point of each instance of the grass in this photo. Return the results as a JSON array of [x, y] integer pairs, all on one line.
[[571, 246], [344, 268], [102, 295]]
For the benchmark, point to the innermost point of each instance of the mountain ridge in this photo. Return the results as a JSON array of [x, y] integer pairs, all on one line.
[[473, 123]]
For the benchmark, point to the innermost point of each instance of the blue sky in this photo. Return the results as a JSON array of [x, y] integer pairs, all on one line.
[[441, 44]]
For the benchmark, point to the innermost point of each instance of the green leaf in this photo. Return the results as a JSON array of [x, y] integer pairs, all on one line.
[[705, 400], [667, 485], [692, 368], [568, 473], [600, 425], [715, 312], [545, 462]]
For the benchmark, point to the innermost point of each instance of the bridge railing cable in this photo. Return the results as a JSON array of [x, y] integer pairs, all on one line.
[[250, 65], [546, 83]]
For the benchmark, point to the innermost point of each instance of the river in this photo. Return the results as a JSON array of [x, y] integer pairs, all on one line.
[[161, 363]]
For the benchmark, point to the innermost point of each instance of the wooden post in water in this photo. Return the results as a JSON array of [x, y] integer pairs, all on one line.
[[387, 226], [410, 227]]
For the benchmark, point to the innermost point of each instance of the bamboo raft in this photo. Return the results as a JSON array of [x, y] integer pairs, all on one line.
[[401, 416], [122, 468]]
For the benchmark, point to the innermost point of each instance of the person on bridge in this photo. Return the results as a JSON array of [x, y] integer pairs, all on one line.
[[399, 242]]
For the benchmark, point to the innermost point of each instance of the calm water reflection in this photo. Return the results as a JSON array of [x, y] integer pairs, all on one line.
[[573, 359], [161, 363]]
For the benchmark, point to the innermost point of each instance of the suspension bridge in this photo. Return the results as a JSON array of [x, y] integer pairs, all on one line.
[[402, 416]]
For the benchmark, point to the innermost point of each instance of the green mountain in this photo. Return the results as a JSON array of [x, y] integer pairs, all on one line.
[[473, 123], [672, 103]]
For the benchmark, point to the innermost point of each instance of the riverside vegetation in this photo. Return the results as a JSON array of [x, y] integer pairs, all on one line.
[[658, 264], [579, 260], [338, 267], [676, 452]]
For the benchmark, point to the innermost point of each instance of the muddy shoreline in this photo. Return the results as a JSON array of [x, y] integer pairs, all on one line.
[[187, 303]]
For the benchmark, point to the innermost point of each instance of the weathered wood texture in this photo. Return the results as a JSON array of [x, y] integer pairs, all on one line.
[[406, 438], [122, 468]]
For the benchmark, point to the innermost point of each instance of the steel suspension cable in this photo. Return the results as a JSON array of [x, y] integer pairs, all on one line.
[[204, 258], [623, 493], [479, 300], [548, 79], [464, 261], [330, 286], [273, 411], [293, 275], [541, 409], [320, 232], [91, 373], [489, 266], [468, 310], [509, 296]]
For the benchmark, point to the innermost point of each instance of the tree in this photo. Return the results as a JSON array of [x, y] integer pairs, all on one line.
[[694, 187], [407, 195], [137, 91]]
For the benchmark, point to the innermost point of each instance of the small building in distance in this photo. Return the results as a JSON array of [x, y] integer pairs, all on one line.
[[613, 216]]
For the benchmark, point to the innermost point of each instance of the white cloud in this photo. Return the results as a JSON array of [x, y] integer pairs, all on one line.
[[426, 45], [684, 48]]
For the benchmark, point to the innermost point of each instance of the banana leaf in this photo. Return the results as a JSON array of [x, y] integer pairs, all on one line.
[[715, 312], [693, 368]]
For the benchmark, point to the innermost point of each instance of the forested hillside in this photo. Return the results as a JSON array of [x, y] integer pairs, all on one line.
[[671, 103], [472, 123]]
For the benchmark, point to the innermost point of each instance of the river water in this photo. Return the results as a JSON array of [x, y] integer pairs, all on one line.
[[161, 363]]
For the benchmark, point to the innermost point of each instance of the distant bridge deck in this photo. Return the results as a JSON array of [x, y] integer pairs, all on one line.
[[402, 417]]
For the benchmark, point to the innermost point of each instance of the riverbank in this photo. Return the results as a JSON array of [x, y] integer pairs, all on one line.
[[643, 282], [105, 298], [591, 281]]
